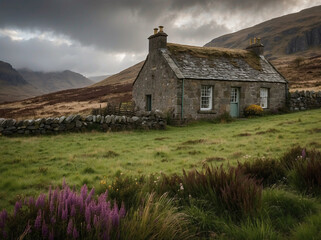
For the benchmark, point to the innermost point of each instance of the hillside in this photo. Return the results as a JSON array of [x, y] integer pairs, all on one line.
[[286, 40], [55, 81], [13, 86], [124, 77], [97, 79], [114, 89], [293, 33]]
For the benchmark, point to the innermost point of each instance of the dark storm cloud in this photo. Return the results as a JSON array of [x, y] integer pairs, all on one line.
[[123, 24], [100, 29]]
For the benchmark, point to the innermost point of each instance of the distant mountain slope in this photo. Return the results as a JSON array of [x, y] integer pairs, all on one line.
[[114, 89], [13, 86], [284, 35], [96, 79], [124, 77], [55, 81]]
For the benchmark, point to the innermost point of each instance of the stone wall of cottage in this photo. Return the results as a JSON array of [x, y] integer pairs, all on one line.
[[304, 100], [159, 81], [249, 94], [77, 123]]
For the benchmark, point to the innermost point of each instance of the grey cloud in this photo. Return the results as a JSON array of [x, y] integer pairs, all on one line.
[[42, 55], [122, 25]]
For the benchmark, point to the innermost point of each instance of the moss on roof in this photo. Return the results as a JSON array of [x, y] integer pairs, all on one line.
[[212, 52]]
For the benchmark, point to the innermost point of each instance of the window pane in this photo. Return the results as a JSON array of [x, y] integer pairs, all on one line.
[[206, 97], [264, 94]]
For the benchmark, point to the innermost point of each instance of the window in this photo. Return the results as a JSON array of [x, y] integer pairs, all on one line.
[[148, 102], [234, 95], [264, 97], [206, 98]]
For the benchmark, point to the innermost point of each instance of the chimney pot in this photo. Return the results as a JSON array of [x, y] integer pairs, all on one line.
[[155, 30], [161, 28]]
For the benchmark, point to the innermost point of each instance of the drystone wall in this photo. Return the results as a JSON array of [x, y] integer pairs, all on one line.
[[304, 100], [77, 123]]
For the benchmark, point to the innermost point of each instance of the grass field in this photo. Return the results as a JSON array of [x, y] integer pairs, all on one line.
[[28, 165]]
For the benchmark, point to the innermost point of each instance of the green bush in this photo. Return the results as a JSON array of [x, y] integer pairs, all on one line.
[[311, 229], [253, 110], [289, 159], [126, 189], [229, 190], [156, 219], [306, 173], [250, 230], [269, 171], [286, 209]]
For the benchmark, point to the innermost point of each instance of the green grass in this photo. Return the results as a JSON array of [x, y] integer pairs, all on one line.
[[28, 165]]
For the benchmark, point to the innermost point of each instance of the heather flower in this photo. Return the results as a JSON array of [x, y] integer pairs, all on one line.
[[40, 203], [50, 193], [17, 207], [44, 229], [91, 193], [73, 211], [84, 191], [87, 214], [75, 233], [64, 214], [88, 227], [38, 220], [31, 201], [70, 227], [3, 217], [53, 220]]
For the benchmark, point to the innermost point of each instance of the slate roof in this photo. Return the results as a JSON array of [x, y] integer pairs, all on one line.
[[219, 64]]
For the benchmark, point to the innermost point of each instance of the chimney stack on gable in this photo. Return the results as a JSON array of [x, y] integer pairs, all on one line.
[[256, 46], [158, 39]]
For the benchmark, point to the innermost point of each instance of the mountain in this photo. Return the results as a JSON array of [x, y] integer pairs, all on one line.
[[13, 86], [114, 89], [290, 34], [96, 79], [291, 42], [124, 77], [55, 81]]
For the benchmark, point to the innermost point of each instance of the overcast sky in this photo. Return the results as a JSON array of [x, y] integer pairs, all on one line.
[[96, 37]]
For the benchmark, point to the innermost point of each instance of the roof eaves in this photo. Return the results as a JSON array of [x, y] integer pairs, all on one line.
[[140, 70]]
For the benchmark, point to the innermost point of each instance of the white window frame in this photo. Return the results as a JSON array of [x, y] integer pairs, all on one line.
[[206, 97], [264, 97]]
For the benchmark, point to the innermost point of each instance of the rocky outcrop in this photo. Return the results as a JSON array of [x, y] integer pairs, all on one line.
[[77, 123], [305, 41], [304, 100]]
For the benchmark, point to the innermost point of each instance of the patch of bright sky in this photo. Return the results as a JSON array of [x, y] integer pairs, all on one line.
[[22, 35]]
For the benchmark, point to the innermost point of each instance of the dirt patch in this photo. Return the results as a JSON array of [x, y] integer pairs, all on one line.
[[243, 135], [271, 130], [161, 138], [110, 154], [194, 152], [213, 159], [315, 130], [197, 141]]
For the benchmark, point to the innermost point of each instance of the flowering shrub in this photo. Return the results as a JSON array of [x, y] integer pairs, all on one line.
[[253, 110], [230, 189], [63, 214], [269, 171]]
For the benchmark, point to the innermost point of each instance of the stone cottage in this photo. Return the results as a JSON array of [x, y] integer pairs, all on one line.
[[191, 82]]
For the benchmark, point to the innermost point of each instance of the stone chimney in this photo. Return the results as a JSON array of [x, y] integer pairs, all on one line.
[[158, 39], [256, 46]]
